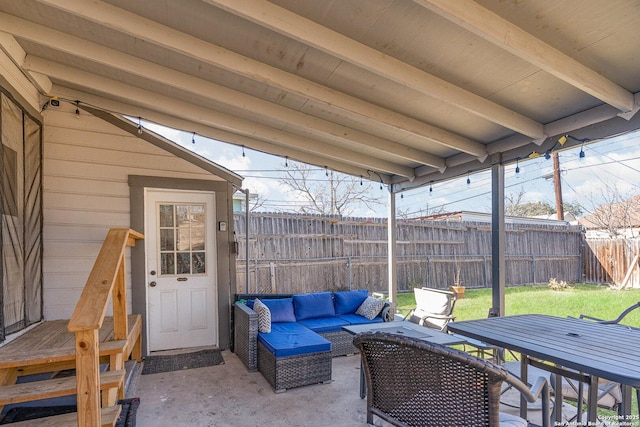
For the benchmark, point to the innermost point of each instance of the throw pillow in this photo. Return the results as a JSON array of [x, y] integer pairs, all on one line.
[[370, 308], [264, 316]]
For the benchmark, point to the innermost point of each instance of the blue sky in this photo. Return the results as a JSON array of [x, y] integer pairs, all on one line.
[[608, 164]]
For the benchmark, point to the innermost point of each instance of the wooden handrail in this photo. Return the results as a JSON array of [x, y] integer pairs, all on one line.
[[107, 279]]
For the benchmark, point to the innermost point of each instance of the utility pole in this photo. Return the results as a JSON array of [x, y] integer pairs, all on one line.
[[557, 185]]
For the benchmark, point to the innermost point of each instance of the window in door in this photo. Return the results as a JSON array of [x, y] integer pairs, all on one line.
[[182, 231]]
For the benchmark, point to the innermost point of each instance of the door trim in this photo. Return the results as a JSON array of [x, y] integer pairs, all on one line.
[[224, 241]]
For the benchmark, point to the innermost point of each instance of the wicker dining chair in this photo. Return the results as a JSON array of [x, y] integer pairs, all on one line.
[[412, 382]]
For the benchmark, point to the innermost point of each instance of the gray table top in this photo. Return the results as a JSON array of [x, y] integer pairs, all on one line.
[[407, 329], [605, 351]]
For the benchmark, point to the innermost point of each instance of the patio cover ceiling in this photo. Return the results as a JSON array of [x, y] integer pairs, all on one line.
[[399, 91]]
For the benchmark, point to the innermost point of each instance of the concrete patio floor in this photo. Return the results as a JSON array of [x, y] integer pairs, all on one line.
[[229, 395]]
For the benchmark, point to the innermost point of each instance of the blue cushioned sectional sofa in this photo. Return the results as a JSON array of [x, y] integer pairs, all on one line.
[[306, 332]]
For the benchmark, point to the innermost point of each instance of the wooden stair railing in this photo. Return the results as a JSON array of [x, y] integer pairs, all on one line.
[[107, 279]]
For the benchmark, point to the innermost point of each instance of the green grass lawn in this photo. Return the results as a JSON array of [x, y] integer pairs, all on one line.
[[594, 300]]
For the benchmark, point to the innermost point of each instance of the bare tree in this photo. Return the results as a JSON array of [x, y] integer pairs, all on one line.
[[422, 212], [616, 215], [336, 194]]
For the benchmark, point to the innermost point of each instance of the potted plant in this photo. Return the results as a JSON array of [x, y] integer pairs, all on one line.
[[457, 287]]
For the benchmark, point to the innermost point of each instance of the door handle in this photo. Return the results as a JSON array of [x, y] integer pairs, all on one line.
[[152, 284]]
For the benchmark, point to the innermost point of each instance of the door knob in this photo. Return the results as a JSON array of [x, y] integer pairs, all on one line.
[[152, 284]]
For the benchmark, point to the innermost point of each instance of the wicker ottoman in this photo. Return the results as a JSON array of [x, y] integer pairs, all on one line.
[[294, 371]]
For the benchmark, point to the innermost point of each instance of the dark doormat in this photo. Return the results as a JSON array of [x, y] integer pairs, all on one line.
[[127, 416], [178, 362]]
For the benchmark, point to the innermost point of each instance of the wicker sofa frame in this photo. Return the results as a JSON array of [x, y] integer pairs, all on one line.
[[285, 372]]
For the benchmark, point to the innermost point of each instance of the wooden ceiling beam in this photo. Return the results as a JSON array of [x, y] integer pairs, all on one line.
[[144, 29], [306, 31], [304, 123], [497, 30], [136, 96], [174, 122]]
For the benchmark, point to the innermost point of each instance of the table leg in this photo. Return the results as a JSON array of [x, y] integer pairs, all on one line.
[[557, 403], [625, 406], [524, 365], [592, 400]]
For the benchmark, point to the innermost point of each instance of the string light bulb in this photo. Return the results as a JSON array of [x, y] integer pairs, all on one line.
[[193, 138], [582, 154], [518, 167], [562, 139], [468, 180], [431, 188], [361, 180], [326, 171], [286, 161], [139, 126], [77, 109], [547, 155], [243, 151]]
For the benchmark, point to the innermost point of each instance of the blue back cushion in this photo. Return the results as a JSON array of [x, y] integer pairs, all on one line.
[[281, 309], [349, 301], [309, 306]]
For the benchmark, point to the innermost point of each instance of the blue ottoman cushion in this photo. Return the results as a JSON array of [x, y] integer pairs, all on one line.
[[292, 339]]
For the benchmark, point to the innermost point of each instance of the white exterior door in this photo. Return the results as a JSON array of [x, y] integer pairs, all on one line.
[[181, 270]]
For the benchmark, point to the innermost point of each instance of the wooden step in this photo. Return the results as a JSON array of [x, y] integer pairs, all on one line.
[[56, 387], [109, 417]]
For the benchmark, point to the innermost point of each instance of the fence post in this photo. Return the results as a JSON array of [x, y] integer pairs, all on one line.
[[427, 276], [255, 270], [533, 268], [484, 271], [272, 271]]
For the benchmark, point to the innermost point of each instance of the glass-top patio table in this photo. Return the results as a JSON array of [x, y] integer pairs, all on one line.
[[611, 352], [406, 329]]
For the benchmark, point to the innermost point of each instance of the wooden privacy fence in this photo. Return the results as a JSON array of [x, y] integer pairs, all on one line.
[[613, 261], [302, 253]]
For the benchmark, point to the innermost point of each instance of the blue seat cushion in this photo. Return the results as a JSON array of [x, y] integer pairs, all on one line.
[[348, 301], [356, 319], [293, 339], [324, 324], [318, 304], [281, 309]]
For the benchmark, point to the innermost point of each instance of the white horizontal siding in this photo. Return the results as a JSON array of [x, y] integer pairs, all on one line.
[[87, 163]]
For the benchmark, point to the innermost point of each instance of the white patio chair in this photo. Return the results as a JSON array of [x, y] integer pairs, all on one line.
[[434, 308]]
